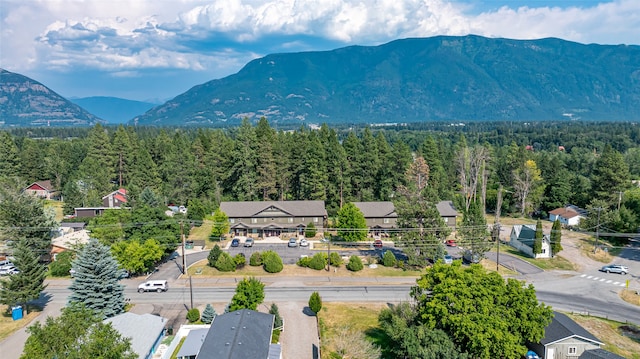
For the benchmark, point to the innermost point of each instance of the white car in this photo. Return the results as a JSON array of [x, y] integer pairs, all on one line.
[[8, 270], [292, 242], [304, 243]]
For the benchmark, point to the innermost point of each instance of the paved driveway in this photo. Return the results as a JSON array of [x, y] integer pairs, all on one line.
[[300, 336]]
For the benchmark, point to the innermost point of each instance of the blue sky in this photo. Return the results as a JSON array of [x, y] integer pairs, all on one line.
[[158, 49]]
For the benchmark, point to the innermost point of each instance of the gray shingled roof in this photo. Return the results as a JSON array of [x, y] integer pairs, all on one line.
[[599, 354], [446, 209], [241, 334], [142, 329], [377, 209], [563, 327], [293, 208], [193, 342]]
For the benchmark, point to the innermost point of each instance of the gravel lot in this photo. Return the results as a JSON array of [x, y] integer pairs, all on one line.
[[300, 336]]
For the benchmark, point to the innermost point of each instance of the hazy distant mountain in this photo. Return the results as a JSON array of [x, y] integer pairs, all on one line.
[[438, 78], [113, 109], [26, 102]]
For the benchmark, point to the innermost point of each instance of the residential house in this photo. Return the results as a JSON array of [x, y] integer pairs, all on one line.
[[273, 218], [380, 216], [69, 241], [146, 331], [240, 334], [42, 189], [568, 216], [566, 339], [599, 354], [113, 200], [522, 238], [192, 343], [69, 227], [448, 213]]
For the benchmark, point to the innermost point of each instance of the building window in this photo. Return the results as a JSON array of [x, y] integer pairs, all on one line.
[[315, 219], [386, 220], [264, 220], [446, 220], [254, 220], [290, 219], [232, 220], [544, 250], [573, 350]]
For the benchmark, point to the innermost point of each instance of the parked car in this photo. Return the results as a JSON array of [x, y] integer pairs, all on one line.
[[615, 268], [153, 286], [377, 243], [235, 242], [471, 257], [448, 259], [248, 242], [451, 243], [292, 242], [304, 242], [8, 270]]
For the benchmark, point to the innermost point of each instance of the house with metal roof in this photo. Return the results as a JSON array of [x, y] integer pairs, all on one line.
[[42, 189], [522, 237], [273, 218], [145, 331], [448, 213], [380, 216], [565, 339], [240, 334]]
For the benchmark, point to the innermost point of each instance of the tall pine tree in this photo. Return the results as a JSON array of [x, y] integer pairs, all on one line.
[[96, 279], [556, 237], [25, 286], [537, 241]]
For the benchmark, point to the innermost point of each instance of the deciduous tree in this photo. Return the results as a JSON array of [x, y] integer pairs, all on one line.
[[351, 223], [249, 294]]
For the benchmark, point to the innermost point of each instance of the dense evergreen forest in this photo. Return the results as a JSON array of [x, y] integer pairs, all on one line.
[[541, 166]]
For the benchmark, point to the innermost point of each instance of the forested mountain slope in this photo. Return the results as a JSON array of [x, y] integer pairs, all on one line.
[[422, 79], [26, 102]]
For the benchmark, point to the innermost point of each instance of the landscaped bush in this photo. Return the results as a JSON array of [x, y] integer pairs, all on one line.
[[388, 259], [355, 264], [318, 261], [255, 259], [304, 262], [272, 263], [214, 254], [310, 231], [240, 260], [193, 315], [315, 302], [62, 265], [225, 263], [335, 259]]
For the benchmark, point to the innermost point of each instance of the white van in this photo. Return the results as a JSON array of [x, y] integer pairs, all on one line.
[[153, 286]]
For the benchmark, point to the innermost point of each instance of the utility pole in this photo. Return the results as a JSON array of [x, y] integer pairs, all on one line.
[[329, 255], [184, 257], [619, 199], [595, 247], [496, 226]]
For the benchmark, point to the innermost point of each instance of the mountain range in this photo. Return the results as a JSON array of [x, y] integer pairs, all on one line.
[[442, 78], [26, 102], [113, 109]]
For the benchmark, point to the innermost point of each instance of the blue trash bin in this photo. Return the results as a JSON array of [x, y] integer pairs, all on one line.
[[16, 312]]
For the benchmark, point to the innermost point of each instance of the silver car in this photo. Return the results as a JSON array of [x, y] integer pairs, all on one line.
[[615, 268]]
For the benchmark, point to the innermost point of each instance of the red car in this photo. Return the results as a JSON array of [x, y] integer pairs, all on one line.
[[377, 243], [451, 243]]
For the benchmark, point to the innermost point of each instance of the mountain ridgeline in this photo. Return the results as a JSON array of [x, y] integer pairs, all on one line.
[[423, 79], [26, 102]]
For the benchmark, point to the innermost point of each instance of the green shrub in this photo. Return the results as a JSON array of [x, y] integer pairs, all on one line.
[[62, 265], [240, 260], [272, 263], [225, 263], [318, 261], [355, 264], [255, 259], [315, 302], [388, 259], [208, 314], [277, 321], [304, 262], [335, 259], [193, 315], [214, 254], [310, 231]]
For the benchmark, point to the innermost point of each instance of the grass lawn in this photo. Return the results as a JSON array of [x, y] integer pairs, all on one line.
[[619, 338], [201, 269], [8, 326], [555, 263], [361, 317]]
